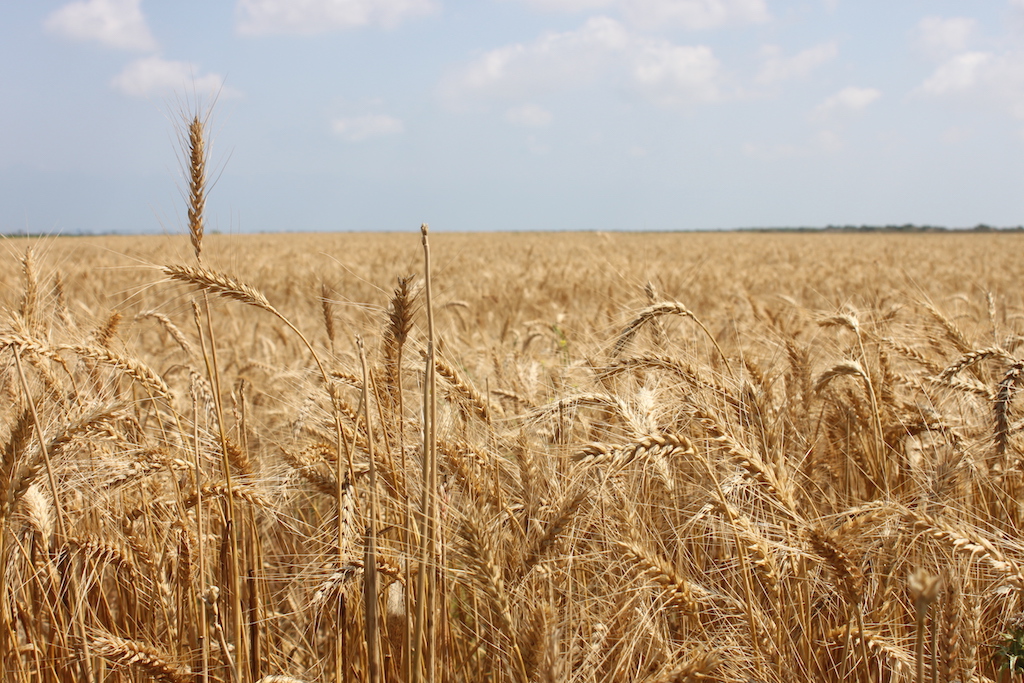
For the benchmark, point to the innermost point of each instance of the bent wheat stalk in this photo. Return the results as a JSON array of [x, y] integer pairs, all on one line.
[[235, 290], [655, 311]]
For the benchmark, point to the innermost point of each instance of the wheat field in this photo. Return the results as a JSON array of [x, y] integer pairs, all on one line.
[[563, 457]]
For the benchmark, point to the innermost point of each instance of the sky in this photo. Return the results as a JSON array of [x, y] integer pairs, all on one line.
[[364, 115]]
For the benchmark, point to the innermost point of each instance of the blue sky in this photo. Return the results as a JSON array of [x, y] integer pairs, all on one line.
[[515, 114]]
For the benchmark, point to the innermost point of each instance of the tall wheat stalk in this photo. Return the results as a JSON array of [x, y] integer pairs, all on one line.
[[373, 664], [425, 638]]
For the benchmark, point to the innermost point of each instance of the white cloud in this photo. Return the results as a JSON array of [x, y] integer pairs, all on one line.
[[114, 23], [693, 14], [961, 73], [677, 73], [360, 128], [849, 99], [982, 78], [942, 36], [601, 51], [528, 116], [568, 5], [777, 67], [690, 14], [158, 76], [259, 17], [993, 80], [550, 63]]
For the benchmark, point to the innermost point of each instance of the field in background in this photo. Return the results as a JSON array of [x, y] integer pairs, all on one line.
[[660, 457]]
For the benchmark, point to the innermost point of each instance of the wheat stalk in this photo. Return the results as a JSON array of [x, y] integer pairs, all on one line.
[[655, 311]]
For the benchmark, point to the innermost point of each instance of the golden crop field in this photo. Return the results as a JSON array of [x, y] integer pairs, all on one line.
[[510, 457]]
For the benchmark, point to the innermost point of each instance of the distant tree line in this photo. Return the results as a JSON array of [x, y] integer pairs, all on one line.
[[907, 227]]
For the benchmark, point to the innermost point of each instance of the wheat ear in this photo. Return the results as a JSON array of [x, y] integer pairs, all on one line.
[[145, 658], [135, 369], [396, 333], [176, 334], [221, 285], [1004, 394], [953, 333], [196, 149], [971, 359], [30, 299], [17, 472], [964, 543], [463, 388], [327, 310], [678, 591], [659, 445]]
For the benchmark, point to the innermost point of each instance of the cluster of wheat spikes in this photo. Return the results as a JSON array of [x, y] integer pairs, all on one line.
[[199, 487]]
